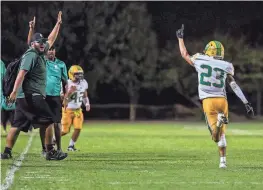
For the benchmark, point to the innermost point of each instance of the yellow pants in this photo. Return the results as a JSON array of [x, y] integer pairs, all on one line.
[[211, 107], [71, 117]]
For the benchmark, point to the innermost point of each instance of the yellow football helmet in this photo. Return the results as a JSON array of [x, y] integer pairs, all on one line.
[[215, 49], [75, 73]]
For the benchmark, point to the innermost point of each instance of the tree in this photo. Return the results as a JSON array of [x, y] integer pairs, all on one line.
[[14, 28], [176, 72], [251, 75], [83, 24], [248, 63], [129, 49]]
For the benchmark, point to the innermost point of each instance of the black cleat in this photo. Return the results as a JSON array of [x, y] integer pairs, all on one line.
[[72, 148], [56, 155], [5, 156]]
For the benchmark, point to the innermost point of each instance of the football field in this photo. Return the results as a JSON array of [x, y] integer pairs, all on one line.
[[141, 155]]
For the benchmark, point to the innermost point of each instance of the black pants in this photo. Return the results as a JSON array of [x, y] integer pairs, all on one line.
[[7, 115], [32, 110], [55, 105]]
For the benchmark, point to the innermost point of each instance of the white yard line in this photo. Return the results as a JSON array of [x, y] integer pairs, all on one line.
[[246, 132], [16, 166], [233, 131], [181, 182]]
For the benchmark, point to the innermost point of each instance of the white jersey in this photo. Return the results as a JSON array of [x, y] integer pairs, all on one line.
[[77, 97], [212, 75]]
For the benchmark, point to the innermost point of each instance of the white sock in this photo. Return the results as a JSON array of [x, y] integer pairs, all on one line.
[[71, 143], [223, 159]]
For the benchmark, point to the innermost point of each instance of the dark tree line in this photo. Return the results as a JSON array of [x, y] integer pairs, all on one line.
[[115, 43]]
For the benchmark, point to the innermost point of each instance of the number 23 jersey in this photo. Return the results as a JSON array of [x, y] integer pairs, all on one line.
[[212, 75], [77, 97]]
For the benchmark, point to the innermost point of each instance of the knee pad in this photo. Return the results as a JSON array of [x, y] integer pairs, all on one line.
[[222, 142]]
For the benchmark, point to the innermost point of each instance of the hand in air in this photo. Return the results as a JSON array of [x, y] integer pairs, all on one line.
[[59, 17], [32, 23], [180, 32]]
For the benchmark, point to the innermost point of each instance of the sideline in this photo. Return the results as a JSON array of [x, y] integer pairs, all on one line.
[[10, 174]]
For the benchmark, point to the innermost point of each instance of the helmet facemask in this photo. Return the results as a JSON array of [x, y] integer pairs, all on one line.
[[78, 76]]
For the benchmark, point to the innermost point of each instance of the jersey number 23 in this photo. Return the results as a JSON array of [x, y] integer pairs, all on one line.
[[204, 76]]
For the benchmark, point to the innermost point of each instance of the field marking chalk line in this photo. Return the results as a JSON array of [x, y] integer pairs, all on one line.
[[10, 174]]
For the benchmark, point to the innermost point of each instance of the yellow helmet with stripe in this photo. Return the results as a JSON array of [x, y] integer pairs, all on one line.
[[215, 49], [75, 73]]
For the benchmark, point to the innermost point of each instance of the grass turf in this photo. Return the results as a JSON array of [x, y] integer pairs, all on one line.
[[144, 155]]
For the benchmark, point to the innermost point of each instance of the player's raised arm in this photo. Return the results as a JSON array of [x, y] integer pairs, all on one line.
[[31, 30], [184, 53], [53, 35], [231, 81]]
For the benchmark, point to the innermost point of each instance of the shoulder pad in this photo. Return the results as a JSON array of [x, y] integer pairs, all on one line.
[[193, 57], [230, 69]]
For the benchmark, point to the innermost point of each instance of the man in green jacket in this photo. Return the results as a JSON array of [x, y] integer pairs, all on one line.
[[56, 75]]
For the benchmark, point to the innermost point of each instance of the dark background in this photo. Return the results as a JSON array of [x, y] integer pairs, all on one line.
[[201, 19]]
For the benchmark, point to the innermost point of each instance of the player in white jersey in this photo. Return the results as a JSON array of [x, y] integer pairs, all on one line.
[[76, 94], [213, 72]]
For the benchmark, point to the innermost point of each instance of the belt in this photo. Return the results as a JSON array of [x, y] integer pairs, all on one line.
[[77, 112], [73, 109]]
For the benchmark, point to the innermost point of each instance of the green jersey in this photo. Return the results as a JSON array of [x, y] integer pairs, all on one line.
[[56, 72], [35, 80], [3, 70], [3, 100]]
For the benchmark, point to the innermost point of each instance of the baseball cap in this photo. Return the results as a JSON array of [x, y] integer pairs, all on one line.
[[38, 37]]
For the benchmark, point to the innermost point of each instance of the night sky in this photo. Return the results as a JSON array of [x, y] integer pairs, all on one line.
[[202, 18]]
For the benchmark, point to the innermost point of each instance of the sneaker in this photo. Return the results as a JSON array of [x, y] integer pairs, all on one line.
[[6, 156], [44, 153], [222, 165], [72, 148], [56, 155]]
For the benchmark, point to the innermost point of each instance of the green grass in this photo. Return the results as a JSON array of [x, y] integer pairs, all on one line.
[[145, 155]]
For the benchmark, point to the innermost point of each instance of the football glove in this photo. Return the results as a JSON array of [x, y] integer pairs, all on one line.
[[249, 109], [180, 32]]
